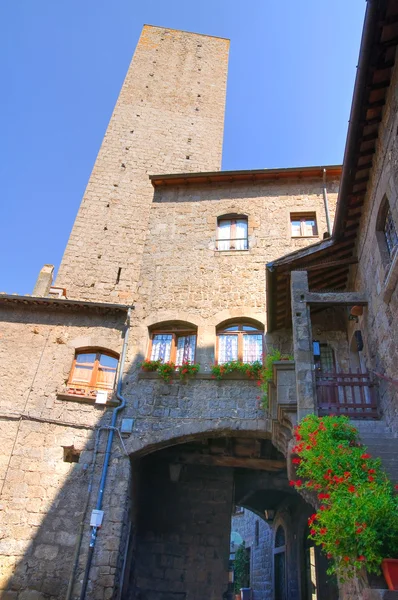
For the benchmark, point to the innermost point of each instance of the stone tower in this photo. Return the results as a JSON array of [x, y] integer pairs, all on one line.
[[169, 118]]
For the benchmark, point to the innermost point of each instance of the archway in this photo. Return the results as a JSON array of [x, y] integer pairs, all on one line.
[[183, 497]]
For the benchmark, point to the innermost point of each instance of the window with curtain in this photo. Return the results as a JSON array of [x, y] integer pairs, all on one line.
[[176, 345], [240, 341], [93, 369], [386, 234], [303, 225], [232, 233], [390, 233]]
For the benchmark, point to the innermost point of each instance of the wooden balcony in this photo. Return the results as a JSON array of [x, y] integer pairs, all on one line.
[[352, 394]]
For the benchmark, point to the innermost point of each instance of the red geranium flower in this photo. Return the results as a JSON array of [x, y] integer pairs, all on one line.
[[296, 461], [351, 489], [361, 558], [313, 531], [346, 558], [366, 455]]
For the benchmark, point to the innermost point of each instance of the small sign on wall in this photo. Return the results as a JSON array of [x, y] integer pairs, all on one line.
[[101, 397]]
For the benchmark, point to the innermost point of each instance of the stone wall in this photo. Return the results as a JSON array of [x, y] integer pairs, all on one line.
[[374, 275], [260, 551], [183, 532], [43, 495], [169, 118]]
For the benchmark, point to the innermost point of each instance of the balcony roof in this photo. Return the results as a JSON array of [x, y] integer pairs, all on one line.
[[328, 262], [252, 176]]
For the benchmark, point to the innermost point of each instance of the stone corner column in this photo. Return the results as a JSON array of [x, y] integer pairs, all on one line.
[[302, 344]]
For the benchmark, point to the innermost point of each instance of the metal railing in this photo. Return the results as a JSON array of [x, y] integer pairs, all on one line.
[[352, 394]]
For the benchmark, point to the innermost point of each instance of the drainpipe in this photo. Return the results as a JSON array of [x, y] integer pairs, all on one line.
[[325, 201], [94, 530]]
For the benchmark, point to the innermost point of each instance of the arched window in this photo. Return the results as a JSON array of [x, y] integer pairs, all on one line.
[[173, 342], [94, 368], [240, 340], [280, 564], [386, 233], [232, 232], [310, 573]]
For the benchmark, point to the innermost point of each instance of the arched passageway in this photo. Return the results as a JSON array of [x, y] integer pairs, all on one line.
[[183, 497]]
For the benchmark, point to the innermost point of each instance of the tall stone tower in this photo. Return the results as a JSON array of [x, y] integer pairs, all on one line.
[[169, 118]]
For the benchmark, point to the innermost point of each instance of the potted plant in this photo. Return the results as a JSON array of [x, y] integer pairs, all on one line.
[[187, 369], [241, 570], [267, 371], [250, 370], [356, 523], [166, 370]]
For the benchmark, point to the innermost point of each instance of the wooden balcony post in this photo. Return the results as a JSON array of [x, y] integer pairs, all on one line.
[[302, 343]]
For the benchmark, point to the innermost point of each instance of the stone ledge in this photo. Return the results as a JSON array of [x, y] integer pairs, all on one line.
[[199, 376], [65, 397]]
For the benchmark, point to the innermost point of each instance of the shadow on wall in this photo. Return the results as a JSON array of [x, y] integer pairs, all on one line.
[[56, 471]]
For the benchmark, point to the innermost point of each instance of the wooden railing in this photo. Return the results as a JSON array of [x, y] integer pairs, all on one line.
[[351, 394]]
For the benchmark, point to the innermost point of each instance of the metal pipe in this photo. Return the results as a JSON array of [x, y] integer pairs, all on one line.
[[81, 526], [94, 530], [326, 203]]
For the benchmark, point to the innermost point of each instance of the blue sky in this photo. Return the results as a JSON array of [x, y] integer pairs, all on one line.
[[62, 63]]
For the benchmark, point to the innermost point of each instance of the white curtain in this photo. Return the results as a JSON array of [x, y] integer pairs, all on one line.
[[227, 348], [161, 347], [224, 233], [252, 348], [186, 349], [241, 234]]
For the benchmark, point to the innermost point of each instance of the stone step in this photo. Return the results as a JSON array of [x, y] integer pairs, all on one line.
[[371, 426]]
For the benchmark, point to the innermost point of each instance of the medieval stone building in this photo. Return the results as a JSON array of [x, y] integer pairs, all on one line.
[[117, 484]]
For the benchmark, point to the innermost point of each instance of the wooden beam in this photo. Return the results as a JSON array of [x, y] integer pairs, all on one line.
[[261, 464], [375, 104], [369, 138], [341, 298], [325, 265]]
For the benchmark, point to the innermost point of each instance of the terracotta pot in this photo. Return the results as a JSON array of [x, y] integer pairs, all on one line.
[[237, 596], [390, 572], [357, 311]]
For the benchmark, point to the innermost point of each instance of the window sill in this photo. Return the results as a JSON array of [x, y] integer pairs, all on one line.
[[391, 279], [230, 252], [200, 376], [305, 237], [87, 397]]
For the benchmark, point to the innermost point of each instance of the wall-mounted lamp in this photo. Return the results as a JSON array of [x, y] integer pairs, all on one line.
[[269, 515], [175, 472]]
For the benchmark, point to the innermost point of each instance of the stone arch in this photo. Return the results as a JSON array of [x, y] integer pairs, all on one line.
[[178, 434], [242, 313]]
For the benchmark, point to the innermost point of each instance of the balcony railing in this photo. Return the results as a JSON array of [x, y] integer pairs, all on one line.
[[351, 394]]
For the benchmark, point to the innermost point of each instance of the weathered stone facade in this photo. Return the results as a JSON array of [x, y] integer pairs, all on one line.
[[152, 244]]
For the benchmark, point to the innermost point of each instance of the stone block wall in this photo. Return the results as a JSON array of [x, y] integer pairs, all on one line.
[[183, 532], [379, 325], [169, 118], [43, 495], [260, 551]]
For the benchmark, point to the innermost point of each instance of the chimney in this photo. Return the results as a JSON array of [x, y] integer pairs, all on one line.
[[44, 281]]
